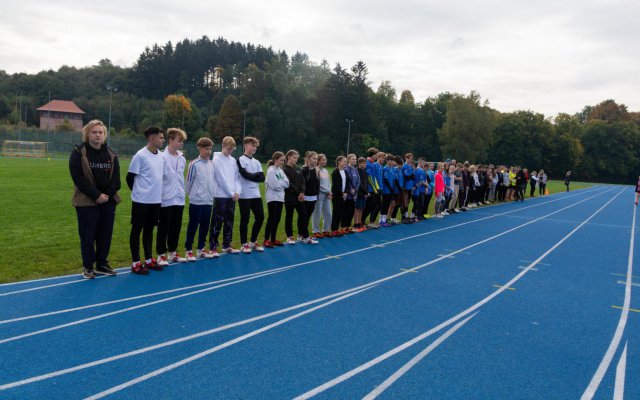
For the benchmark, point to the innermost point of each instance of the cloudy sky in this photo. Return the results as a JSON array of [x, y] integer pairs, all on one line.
[[546, 56]]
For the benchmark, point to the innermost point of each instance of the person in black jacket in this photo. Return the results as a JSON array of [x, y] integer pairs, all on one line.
[[250, 201], [567, 180], [310, 173], [362, 194], [521, 183], [95, 171], [294, 200], [340, 187]]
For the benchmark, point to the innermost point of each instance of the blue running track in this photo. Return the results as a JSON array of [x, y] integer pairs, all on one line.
[[532, 300]]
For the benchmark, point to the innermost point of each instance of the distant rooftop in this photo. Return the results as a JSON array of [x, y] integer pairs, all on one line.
[[61, 106]]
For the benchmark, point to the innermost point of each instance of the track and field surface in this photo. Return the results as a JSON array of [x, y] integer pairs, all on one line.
[[532, 300]]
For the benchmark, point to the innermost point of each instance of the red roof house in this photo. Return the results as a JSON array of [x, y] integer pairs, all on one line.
[[55, 112]]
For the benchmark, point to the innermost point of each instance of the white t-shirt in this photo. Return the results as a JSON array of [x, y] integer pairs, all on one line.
[[149, 169], [343, 175], [250, 189], [173, 180]]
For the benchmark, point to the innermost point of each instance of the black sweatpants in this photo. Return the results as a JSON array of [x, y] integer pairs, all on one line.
[[169, 226], [222, 220], [95, 227], [370, 207], [144, 217], [248, 206], [338, 208], [348, 210], [273, 220], [303, 219]]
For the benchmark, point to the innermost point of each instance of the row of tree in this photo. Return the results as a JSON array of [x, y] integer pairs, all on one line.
[[219, 88]]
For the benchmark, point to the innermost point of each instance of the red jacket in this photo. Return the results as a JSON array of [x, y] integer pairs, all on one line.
[[439, 183]]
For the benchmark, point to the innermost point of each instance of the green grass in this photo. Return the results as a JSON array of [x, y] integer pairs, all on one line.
[[39, 228]]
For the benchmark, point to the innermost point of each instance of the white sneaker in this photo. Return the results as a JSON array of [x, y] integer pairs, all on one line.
[[290, 240], [255, 246], [457, 210], [309, 240], [246, 249], [162, 261], [190, 256], [175, 257], [445, 213], [230, 250]]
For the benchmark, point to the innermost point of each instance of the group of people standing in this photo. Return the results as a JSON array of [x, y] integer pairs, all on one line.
[[360, 193]]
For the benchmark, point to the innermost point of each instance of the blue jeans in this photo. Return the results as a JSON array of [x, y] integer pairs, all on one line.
[[199, 218]]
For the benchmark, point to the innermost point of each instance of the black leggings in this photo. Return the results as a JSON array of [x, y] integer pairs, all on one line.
[[349, 208], [169, 227], [543, 187], [303, 219], [338, 208], [144, 217], [247, 206], [273, 220]]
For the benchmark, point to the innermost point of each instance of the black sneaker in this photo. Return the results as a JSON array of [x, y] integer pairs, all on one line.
[[105, 270], [87, 272]]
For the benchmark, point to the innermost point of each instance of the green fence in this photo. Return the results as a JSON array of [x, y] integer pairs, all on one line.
[[60, 144]]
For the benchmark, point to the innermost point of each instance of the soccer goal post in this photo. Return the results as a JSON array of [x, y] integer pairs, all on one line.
[[21, 148]]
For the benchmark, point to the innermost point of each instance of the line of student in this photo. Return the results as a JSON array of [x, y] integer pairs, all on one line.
[[359, 189]]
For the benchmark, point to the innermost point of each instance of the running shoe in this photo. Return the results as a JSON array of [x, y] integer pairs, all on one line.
[[139, 269], [105, 270], [162, 261], [190, 256], [88, 273]]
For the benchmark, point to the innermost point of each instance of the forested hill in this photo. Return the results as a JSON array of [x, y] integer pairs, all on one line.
[[218, 88]]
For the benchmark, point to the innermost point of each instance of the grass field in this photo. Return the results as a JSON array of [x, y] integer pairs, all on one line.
[[39, 226]]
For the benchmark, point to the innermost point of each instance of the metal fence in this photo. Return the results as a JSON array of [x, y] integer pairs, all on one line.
[[60, 144]]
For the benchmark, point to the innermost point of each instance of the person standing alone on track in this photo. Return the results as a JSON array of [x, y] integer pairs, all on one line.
[[95, 171]]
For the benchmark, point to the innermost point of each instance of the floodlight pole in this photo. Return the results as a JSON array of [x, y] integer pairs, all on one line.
[[111, 89], [349, 121]]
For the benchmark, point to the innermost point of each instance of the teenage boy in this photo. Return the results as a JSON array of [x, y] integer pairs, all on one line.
[[408, 183], [388, 180], [226, 191], [144, 178], [372, 184], [199, 187], [418, 192], [250, 201], [173, 196]]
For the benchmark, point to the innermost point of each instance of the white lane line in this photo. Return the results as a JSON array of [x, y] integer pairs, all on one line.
[[415, 360], [363, 367], [58, 284], [6, 321], [621, 369], [126, 269], [179, 340], [622, 323], [528, 261], [220, 347], [280, 269], [168, 343], [116, 312], [96, 317]]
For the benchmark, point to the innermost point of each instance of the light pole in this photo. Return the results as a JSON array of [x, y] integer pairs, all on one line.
[[349, 121], [111, 88], [244, 123]]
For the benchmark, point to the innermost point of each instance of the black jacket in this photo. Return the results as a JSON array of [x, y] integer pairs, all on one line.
[[104, 168], [336, 183], [296, 184], [311, 181]]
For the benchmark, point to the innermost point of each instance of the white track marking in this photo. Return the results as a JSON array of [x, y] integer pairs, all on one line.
[[220, 347], [621, 370], [415, 360], [167, 343], [622, 323], [327, 385]]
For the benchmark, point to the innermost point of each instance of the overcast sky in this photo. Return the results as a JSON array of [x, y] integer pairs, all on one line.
[[545, 56]]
